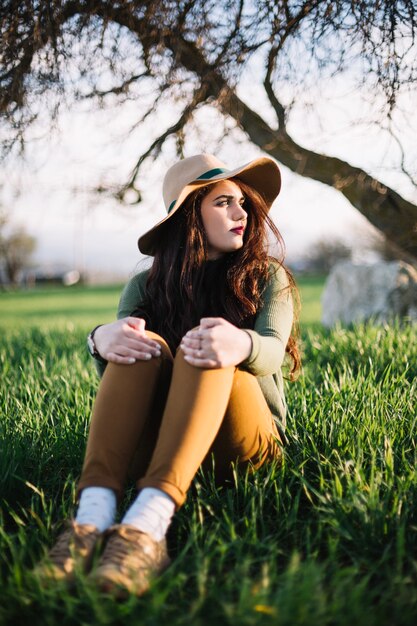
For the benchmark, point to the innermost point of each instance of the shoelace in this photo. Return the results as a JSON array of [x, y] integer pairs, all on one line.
[[120, 548], [61, 550]]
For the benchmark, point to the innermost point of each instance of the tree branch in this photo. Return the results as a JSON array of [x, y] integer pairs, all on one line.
[[401, 149], [232, 35], [276, 104], [118, 89], [154, 149]]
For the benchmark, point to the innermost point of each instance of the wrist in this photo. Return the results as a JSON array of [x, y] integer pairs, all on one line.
[[92, 346]]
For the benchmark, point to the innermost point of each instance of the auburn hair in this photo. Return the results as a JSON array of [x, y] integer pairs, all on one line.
[[183, 285]]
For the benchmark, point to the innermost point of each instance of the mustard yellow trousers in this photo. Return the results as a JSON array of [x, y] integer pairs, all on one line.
[[158, 421]]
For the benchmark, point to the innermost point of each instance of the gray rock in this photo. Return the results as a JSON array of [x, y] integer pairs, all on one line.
[[355, 293]]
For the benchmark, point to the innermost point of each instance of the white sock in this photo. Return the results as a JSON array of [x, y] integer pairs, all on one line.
[[97, 506], [151, 512]]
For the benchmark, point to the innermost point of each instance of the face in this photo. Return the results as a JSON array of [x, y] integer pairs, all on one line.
[[224, 218]]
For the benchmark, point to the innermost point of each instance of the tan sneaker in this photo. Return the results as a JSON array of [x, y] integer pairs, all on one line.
[[74, 549], [131, 559]]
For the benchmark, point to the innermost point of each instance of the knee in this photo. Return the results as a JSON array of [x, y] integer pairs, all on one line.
[[137, 369], [165, 349], [242, 378]]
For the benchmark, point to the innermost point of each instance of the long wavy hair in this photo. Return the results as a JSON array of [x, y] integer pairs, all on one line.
[[183, 285]]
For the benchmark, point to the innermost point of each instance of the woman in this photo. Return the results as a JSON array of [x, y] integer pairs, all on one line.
[[191, 370]]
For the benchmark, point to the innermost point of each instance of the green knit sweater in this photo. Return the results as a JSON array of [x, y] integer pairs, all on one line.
[[269, 337]]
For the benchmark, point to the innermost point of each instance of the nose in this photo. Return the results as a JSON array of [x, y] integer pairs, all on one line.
[[239, 212]]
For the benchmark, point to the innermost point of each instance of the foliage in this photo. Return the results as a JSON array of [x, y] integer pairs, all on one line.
[[379, 244], [39, 38], [16, 249], [325, 253]]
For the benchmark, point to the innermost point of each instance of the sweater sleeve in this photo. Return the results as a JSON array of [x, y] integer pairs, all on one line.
[[131, 296], [272, 326]]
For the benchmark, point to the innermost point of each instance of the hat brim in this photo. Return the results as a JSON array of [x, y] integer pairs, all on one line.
[[261, 174]]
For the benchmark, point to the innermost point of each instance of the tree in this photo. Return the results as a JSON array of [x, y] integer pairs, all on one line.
[[193, 53], [376, 243], [324, 254], [16, 249]]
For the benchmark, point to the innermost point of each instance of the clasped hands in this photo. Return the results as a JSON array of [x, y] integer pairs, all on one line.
[[215, 343]]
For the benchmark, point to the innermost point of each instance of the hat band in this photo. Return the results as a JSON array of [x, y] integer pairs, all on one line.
[[206, 176], [211, 173]]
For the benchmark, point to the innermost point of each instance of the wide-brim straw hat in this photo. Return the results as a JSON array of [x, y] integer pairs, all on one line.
[[189, 174]]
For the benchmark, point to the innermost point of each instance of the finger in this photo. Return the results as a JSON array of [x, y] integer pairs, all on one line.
[[141, 354], [209, 322], [136, 322], [141, 346], [132, 333], [202, 343], [122, 360], [197, 336], [190, 342], [189, 351], [194, 348], [119, 358], [135, 353], [192, 334], [201, 362]]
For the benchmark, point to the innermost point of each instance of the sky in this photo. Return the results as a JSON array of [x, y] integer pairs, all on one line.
[[77, 229]]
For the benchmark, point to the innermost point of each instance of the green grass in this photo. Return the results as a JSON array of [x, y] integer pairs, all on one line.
[[328, 539], [59, 307], [68, 307], [310, 292]]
